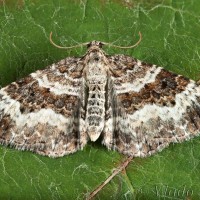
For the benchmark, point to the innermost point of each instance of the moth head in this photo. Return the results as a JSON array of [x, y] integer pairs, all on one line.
[[95, 44]]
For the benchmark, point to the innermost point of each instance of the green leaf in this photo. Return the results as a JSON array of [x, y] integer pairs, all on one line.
[[170, 32]]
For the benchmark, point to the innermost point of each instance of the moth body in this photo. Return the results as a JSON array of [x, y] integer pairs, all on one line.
[[96, 79]]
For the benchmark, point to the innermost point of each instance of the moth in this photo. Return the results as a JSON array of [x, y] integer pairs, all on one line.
[[131, 106]]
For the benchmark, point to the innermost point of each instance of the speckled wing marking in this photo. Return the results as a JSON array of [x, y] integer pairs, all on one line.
[[44, 112], [151, 107]]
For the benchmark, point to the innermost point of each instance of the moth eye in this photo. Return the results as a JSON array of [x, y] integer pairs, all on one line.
[[89, 45], [100, 44]]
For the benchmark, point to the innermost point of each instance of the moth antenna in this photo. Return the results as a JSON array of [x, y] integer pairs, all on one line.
[[128, 47], [60, 47]]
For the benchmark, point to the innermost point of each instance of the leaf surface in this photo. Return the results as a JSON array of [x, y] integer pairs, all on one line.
[[170, 32]]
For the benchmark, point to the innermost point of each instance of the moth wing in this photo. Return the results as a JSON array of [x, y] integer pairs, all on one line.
[[42, 112], [150, 107]]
